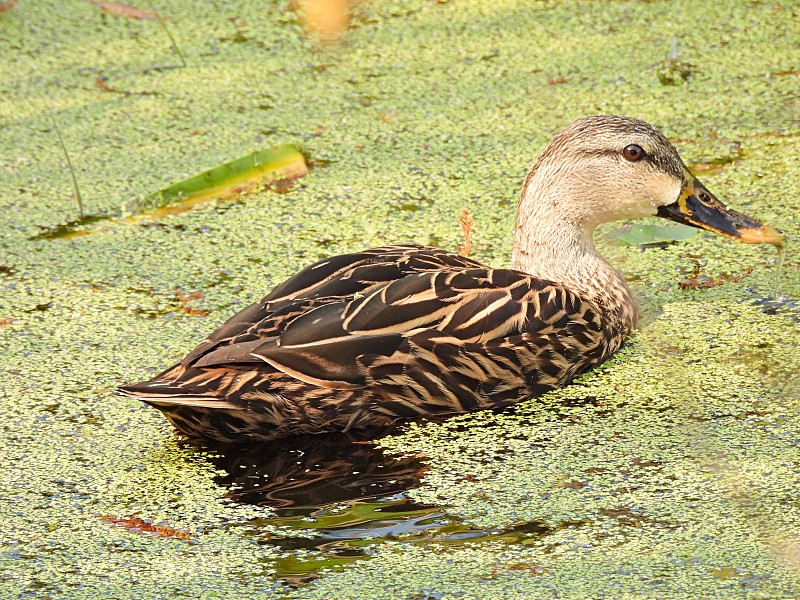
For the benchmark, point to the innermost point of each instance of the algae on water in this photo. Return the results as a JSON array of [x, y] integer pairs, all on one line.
[[669, 472]]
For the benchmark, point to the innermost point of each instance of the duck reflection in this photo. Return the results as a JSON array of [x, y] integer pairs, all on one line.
[[313, 471]]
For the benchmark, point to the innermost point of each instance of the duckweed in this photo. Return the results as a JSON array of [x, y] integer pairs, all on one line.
[[671, 471]]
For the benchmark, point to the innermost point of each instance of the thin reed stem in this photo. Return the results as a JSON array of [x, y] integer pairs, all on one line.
[[169, 35], [77, 189]]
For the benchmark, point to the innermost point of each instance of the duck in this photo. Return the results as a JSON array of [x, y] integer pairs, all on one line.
[[360, 341]]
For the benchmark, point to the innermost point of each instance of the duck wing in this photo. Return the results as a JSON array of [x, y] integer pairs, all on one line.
[[493, 326], [329, 280], [505, 337]]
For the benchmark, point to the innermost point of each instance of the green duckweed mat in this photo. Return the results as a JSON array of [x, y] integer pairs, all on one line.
[[673, 471]]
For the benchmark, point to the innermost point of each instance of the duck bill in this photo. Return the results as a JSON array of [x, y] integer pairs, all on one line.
[[698, 207]]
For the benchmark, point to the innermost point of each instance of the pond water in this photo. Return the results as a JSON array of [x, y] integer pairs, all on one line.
[[669, 472]]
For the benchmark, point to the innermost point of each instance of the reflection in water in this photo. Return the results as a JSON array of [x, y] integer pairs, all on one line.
[[313, 471], [348, 494], [780, 306]]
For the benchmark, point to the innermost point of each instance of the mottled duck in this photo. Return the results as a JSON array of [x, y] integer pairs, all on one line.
[[360, 340]]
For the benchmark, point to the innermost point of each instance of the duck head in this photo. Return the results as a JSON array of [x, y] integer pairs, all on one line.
[[605, 168]]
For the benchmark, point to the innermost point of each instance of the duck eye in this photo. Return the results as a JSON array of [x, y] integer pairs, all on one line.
[[633, 153]]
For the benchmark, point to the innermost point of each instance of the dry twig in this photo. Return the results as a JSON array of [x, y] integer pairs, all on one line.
[[701, 281], [466, 221]]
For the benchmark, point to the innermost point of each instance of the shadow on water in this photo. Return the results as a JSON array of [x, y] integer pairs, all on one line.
[[342, 496], [309, 472], [779, 306]]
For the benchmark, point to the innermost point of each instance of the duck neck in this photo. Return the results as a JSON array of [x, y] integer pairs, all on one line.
[[550, 246]]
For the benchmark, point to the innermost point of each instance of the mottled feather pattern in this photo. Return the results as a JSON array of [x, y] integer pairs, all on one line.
[[362, 339]]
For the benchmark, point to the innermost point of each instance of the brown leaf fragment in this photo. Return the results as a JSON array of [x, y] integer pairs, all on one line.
[[538, 569], [184, 299], [616, 512], [624, 516], [136, 524], [466, 220], [6, 321], [7, 6], [101, 83], [573, 485], [500, 570], [124, 10], [701, 281], [593, 470]]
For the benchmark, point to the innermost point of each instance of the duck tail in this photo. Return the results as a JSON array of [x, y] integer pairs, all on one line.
[[165, 395], [197, 416], [170, 390]]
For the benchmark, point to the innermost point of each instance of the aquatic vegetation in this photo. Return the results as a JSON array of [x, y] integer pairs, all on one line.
[[670, 473], [281, 164]]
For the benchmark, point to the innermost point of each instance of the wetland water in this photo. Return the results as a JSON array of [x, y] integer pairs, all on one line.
[[338, 497], [669, 472]]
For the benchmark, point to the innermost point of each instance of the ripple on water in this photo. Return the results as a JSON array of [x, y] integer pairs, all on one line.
[[342, 496]]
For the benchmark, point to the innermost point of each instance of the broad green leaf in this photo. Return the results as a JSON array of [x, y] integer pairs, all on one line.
[[233, 178], [638, 233]]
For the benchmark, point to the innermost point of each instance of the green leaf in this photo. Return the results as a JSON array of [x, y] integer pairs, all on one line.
[[233, 178], [637, 233]]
